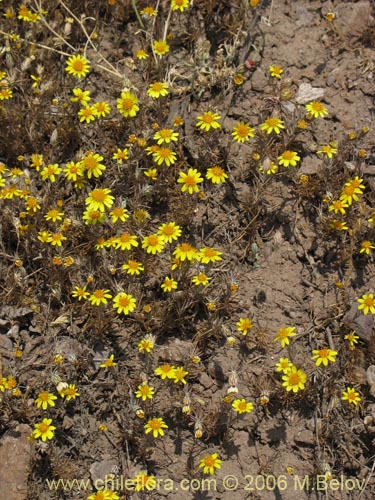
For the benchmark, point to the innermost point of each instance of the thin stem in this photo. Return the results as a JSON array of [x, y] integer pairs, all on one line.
[[135, 8], [38, 45], [43, 19]]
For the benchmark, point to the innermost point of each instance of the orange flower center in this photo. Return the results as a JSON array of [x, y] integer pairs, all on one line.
[[242, 405], [323, 353], [207, 118], [43, 427], [78, 65], [127, 104], [157, 87], [209, 461], [124, 301], [98, 195], [242, 130], [99, 294], [190, 180], [153, 241], [155, 424], [294, 379], [164, 152], [369, 302]]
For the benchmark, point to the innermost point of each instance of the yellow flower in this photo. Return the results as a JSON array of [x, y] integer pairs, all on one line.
[[327, 150], [99, 297], [208, 120], [44, 429], [242, 132], [242, 406], [145, 391], [45, 399], [216, 174], [79, 292], [5, 94], [294, 379], [104, 495], [160, 47], [93, 216], [120, 155], [208, 255], [152, 174], [165, 371], [133, 267], [50, 172], [284, 365], [68, 391], [316, 109], [190, 181], [107, 363], [57, 239], [238, 79], [366, 247], [149, 11], [185, 251], [156, 426], [323, 356], [165, 135], [77, 66], [81, 96], [276, 71], [180, 5], [154, 243], [157, 89], [288, 158], [352, 338], [87, 114], [351, 395], [73, 171], [144, 482], [272, 125], [169, 284], [91, 164], [99, 199], [102, 109], [338, 206], [146, 345], [54, 215], [141, 54], [201, 279], [119, 214], [44, 236], [272, 168], [170, 232], [164, 155], [127, 104], [124, 303], [244, 325], [210, 463], [367, 303], [338, 225], [283, 335], [179, 374]]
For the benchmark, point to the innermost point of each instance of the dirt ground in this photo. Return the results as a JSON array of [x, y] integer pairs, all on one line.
[[282, 265]]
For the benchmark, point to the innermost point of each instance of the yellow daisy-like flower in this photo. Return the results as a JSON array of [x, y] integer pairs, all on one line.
[[180, 5], [327, 150], [141, 54], [338, 225], [208, 255], [316, 109], [165, 371], [157, 89], [284, 365], [169, 284], [284, 334], [87, 114], [190, 181], [165, 135], [145, 391], [154, 243], [244, 325], [99, 199], [294, 380], [338, 206], [50, 172], [81, 96], [367, 303], [351, 396], [356, 183], [185, 251], [242, 132], [99, 297], [124, 303], [109, 362], [133, 267], [366, 247], [119, 214], [5, 93], [143, 482], [57, 239], [151, 173], [276, 71], [164, 155], [178, 375], [80, 293], [170, 232], [156, 426], [91, 164], [216, 175], [77, 66], [127, 104], [201, 279], [210, 463], [147, 344], [160, 47], [125, 241], [102, 109], [288, 158], [104, 495], [93, 216], [208, 120], [54, 215], [350, 194], [44, 429], [272, 124], [242, 406], [352, 338], [323, 356], [68, 391], [44, 236], [73, 171], [45, 399]]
